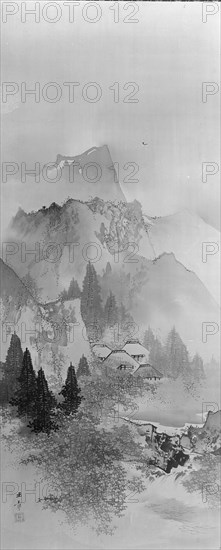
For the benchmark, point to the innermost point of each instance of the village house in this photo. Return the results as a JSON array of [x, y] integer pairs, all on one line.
[[136, 350], [145, 370], [120, 360], [133, 359], [101, 350]]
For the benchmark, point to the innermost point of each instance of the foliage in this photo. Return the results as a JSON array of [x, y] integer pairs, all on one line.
[[149, 339], [124, 329], [197, 368], [3, 385], [44, 405], [70, 392], [177, 355], [83, 367], [83, 465], [73, 291], [158, 357], [205, 478], [110, 311], [91, 305], [31, 286], [172, 359], [25, 395], [13, 364], [107, 394]]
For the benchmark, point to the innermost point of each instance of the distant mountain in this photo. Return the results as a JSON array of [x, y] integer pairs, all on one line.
[[92, 174], [154, 266], [65, 237], [188, 237], [163, 293], [157, 291], [166, 294]]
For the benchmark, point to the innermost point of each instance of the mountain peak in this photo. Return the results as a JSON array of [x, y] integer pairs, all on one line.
[[91, 173]]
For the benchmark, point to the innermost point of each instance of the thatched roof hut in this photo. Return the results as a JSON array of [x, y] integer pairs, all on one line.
[[136, 350], [147, 371], [101, 350], [120, 360]]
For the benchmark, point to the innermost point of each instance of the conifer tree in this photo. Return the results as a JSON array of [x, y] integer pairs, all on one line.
[[149, 339], [157, 356], [91, 306], [83, 367], [13, 364], [108, 270], [177, 356], [197, 368], [71, 393], [124, 317], [110, 311], [24, 396], [3, 385], [74, 290], [43, 417]]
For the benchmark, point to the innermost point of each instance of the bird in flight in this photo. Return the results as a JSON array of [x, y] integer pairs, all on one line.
[[144, 143]]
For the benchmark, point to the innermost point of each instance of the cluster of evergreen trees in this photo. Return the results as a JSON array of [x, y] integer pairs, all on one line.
[[172, 359], [95, 315], [29, 392], [73, 291]]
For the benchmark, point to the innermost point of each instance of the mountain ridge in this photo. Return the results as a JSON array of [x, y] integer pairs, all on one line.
[[156, 268]]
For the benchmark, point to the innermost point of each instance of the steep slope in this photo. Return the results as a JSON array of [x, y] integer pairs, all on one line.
[[159, 291], [65, 237], [54, 333], [194, 243], [165, 293]]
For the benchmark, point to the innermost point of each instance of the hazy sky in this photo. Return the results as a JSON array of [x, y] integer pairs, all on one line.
[[168, 53]]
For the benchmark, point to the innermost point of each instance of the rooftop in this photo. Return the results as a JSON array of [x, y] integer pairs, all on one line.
[[148, 371], [101, 350], [133, 347], [121, 357]]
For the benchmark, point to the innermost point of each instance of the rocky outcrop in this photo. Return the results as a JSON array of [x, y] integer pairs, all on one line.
[[167, 452], [213, 421], [161, 450]]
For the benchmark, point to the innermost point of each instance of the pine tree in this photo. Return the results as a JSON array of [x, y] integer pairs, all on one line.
[[110, 311], [74, 290], [197, 368], [124, 317], [71, 393], [43, 417], [83, 367], [25, 394], [157, 356], [3, 385], [149, 339], [91, 306], [63, 295], [13, 364], [108, 270], [177, 356]]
